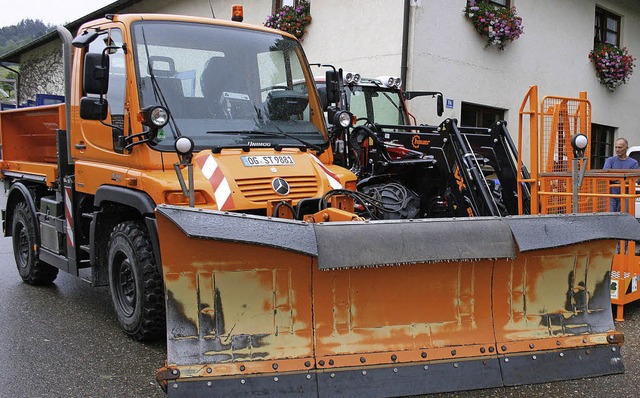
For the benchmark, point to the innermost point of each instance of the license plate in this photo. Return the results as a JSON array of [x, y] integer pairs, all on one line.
[[275, 160]]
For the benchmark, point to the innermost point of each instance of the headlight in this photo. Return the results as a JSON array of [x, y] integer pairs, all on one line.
[[390, 81], [352, 78], [154, 116], [343, 119]]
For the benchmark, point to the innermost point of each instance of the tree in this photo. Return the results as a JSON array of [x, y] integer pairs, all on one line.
[[25, 31]]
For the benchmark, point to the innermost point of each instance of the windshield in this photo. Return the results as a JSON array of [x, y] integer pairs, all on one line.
[[377, 104], [224, 86]]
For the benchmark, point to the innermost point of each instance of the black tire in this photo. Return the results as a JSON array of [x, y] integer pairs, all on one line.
[[135, 283], [32, 270]]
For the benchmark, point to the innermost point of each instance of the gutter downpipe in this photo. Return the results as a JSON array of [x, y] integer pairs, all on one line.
[[405, 43]]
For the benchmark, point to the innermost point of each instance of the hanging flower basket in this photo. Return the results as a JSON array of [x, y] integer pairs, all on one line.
[[613, 64], [500, 25], [290, 19]]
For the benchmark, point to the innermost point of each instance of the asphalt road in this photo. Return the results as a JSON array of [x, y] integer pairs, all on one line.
[[63, 341]]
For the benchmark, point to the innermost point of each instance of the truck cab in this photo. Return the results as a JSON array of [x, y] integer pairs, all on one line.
[[222, 98]]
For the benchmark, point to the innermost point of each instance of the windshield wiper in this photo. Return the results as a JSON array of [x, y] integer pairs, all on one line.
[[396, 105], [281, 133]]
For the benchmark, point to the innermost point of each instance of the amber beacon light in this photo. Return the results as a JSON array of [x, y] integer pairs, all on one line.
[[237, 13]]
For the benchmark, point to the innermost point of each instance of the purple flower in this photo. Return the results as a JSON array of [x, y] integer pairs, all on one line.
[[499, 25]]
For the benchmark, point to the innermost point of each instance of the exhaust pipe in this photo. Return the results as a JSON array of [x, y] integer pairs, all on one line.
[[67, 49]]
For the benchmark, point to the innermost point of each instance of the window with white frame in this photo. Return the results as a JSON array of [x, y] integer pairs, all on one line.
[[606, 27], [497, 3], [474, 115], [281, 3], [602, 138]]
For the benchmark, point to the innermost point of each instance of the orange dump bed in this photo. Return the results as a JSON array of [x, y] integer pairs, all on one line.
[[29, 140]]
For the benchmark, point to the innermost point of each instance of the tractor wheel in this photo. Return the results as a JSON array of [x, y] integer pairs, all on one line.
[[32, 270], [135, 282]]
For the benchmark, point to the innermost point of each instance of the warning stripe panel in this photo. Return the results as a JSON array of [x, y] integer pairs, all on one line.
[[219, 183]]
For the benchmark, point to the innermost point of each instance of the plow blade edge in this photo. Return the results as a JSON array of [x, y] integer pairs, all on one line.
[[270, 306]]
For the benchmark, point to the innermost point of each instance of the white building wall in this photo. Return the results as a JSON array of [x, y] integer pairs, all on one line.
[[356, 35], [363, 36], [41, 72], [448, 55], [255, 11]]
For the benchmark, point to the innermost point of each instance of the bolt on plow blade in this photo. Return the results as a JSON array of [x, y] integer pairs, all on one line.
[[384, 308]]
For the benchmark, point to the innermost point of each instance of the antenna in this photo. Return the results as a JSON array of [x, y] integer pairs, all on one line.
[[213, 15]]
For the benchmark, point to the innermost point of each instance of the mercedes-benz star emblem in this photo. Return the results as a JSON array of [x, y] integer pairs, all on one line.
[[280, 186]]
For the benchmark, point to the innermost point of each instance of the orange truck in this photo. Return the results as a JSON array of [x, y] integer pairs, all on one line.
[[187, 173]]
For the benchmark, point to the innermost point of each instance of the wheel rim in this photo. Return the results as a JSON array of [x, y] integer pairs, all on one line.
[[22, 247], [125, 284]]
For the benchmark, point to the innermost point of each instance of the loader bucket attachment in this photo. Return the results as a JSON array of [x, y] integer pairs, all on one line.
[[382, 308]]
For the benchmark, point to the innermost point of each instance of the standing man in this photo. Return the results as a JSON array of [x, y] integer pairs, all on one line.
[[619, 161]]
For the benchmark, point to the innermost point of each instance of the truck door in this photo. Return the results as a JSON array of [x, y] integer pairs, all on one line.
[[99, 140]]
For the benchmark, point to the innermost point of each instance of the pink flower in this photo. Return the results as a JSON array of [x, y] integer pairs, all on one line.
[[499, 25], [613, 65]]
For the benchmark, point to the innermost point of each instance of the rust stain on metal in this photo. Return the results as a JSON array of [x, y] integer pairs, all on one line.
[[554, 293], [403, 308], [237, 308], [224, 309]]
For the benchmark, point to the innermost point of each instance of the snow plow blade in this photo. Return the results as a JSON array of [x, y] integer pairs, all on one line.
[[279, 307]]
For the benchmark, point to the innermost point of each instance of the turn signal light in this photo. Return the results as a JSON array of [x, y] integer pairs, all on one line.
[[351, 185], [178, 198]]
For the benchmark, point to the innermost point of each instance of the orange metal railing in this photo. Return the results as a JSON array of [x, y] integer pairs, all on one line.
[[548, 129]]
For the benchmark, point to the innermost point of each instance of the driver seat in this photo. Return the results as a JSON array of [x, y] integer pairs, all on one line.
[[224, 90]]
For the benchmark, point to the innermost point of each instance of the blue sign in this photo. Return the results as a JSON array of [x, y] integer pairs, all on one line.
[[449, 103]]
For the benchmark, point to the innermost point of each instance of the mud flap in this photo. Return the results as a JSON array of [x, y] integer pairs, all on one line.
[[268, 306]]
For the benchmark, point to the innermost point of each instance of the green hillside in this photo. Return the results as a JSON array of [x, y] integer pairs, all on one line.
[[27, 30]]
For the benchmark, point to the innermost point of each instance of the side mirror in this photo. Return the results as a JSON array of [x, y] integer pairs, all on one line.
[[333, 87], [95, 79], [331, 114], [408, 95], [92, 108], [322, 92], [84, 39], [440, 104]]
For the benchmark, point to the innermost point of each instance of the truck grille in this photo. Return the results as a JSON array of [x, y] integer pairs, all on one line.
[[259, 190]]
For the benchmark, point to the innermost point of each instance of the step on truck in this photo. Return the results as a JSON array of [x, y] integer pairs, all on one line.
[[186, 172]]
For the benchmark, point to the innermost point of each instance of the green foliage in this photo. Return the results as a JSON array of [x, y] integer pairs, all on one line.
[[27, 30]]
